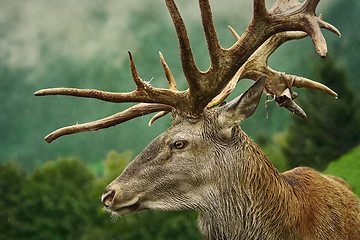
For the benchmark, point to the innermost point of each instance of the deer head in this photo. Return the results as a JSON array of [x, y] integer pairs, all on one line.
[[181, 168], [176, 170]]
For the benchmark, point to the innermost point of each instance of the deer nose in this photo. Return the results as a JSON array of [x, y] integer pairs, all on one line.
[[107, 198]]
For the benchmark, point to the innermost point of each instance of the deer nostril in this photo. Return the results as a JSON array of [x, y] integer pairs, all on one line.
[[107, 198]]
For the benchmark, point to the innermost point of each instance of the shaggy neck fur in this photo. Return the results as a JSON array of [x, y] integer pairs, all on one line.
[[250, 196]]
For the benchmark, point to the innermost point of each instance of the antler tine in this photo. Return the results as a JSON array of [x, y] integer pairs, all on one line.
[[140, 84], [187, 59], [259, 8], [140, 109], [302, 17], [172, 86], [86, 93], [285, 100], [168, 74], [328, 26], [301, 82], [212, 40], [234, 33]]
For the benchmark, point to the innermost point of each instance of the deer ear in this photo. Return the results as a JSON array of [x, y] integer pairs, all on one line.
[[244, 105]]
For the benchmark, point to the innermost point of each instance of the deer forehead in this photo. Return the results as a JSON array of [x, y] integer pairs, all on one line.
[[213, 124], [186, 129]]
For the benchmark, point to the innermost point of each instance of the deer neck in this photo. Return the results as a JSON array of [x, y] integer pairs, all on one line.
[[250, 199]]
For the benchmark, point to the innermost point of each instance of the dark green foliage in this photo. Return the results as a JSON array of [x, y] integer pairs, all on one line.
[[333, 124], [344, 14], [145, 225], [52, 203], [60, 200], [12, 184]]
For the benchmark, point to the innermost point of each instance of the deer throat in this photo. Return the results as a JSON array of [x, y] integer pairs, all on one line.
[[251, 205]]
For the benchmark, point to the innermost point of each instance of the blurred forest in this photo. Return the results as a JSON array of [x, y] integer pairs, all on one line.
[[51, 191]]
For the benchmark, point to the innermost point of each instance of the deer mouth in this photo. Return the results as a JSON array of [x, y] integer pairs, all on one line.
[[130, 207], [122, 211]]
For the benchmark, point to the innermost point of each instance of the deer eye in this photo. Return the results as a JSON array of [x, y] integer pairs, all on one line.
[[180, 144]]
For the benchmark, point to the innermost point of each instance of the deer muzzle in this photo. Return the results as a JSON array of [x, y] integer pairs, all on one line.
[[113, 202]]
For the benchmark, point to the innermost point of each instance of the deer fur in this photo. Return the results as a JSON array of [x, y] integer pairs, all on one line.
[[225, 176], [258, 202]]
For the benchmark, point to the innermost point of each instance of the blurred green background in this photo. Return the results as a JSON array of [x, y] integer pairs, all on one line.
[[51, 191]]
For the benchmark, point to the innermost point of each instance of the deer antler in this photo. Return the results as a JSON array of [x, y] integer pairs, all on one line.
[[130, 113], [143, 93], [278, 84], [207, 89], [284, 16]]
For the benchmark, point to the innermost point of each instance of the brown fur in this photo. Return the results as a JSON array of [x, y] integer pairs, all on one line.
[[237, 191], [298, 204]]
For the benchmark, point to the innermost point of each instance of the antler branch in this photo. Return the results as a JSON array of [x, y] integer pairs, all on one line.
[[140, 109], [278, 84], [143, 93], [291, 15]]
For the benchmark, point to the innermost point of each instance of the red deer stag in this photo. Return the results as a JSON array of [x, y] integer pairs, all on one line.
[[205, 161]]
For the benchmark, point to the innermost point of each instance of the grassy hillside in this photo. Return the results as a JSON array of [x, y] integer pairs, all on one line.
[[348, 168]]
